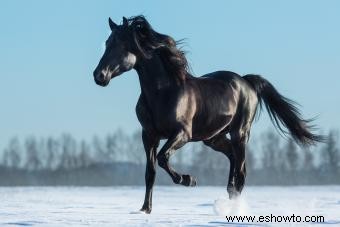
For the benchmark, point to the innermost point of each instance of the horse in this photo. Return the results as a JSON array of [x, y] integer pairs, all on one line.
[[217, 108]]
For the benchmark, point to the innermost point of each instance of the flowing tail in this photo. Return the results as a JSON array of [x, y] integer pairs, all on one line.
[[283, 111]]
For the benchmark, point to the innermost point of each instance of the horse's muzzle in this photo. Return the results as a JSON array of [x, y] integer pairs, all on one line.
[[100, 78]]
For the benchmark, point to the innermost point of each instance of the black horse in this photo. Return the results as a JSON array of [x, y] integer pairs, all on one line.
[[179, 107]]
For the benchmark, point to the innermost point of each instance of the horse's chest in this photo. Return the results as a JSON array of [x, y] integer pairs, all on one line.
[[159, 116]]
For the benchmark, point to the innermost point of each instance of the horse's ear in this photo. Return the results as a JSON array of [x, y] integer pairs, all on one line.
[[125, 22], [112, 24]]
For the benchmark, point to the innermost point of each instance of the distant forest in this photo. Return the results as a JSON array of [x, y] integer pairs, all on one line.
[[119, 159]]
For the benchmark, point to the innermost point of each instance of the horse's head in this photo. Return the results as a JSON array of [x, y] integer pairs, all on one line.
[[118, 56], [135, 40]]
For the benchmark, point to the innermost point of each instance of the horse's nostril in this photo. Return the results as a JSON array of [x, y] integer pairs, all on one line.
[[98, 75], [101, 76]]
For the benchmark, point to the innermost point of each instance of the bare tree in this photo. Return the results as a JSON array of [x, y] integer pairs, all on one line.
[[68, 152], [100, 150], [250, 159], [84, 156], [292, 155], [111, 148], [14, 153], [5, 158], [33, 161], [271, 150], [308, 162], [331, 154], [135, 148], [52, 147]]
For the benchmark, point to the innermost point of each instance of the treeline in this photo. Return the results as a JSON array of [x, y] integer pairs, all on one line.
[[119, 159]]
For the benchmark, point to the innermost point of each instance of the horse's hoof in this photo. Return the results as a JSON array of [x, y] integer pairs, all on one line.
[[233, 194], [145, 210], [193, 182], [232, 191], [189, 181]]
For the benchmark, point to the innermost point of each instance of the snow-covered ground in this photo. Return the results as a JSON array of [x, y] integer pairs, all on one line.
[[174, 206]]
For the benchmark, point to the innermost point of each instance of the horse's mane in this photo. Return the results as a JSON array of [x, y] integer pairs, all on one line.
[[149, 42]]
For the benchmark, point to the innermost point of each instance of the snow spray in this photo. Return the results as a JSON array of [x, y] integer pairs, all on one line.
[[223, 206]]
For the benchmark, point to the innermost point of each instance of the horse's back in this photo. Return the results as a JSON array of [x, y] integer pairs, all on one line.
[[231, 79], [222, 75], [227, 77]]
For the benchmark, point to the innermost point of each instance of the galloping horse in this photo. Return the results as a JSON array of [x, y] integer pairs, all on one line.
[[179, 107]]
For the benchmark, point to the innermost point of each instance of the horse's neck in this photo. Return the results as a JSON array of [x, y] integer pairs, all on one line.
[[153, 77]]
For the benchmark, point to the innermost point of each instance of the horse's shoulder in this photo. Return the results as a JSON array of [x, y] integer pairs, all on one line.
[[144, 115]]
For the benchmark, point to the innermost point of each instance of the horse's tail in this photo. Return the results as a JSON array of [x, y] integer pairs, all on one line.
[[283, 111]]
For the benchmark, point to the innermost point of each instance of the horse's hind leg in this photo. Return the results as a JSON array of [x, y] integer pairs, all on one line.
[[222, 144], [239, 141], [169, 148]]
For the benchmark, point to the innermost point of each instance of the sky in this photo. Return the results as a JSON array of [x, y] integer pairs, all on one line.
[[49, 49]]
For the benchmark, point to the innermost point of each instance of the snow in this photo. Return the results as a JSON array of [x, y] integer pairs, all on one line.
[[172, 206]]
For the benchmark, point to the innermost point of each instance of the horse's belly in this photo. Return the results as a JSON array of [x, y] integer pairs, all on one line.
[[208, 128]]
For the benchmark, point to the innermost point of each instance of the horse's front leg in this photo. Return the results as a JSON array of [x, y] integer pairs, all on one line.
[[150, 145], [175, 142]]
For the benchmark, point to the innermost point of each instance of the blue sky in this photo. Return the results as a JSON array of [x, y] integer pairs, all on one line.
[[49, 49]]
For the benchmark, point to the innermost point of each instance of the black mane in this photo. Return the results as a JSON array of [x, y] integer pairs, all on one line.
[[149, 42]]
